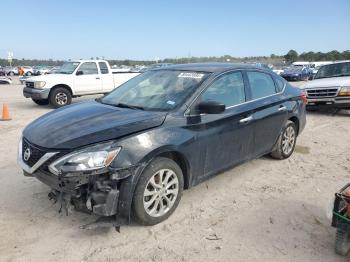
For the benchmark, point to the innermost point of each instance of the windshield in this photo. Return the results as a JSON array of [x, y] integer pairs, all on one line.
[[295, 68], [68, 67], [333, 70], [160, 90]]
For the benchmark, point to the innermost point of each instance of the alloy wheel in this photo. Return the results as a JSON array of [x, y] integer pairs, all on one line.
[[160, 193], [288, 140]]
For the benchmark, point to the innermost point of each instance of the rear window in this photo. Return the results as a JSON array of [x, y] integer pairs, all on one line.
[[280, 84], [103, 67], [261, 84]]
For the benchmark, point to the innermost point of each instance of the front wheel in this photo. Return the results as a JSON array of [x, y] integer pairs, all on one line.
[[158, 191], [342, 242], [41, 102], [286, 141], [59, 97]]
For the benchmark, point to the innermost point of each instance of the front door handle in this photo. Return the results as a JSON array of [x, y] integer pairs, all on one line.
[[282, 108], [97, 78], [246, 120]]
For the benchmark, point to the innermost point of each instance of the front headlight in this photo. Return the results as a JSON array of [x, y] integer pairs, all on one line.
[[88, 159], [39, 84], [344, 91]]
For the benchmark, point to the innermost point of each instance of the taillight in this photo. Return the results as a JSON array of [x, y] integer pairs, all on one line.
[[303, 97]]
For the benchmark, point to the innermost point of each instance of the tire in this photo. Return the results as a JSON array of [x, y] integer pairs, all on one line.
[[41, 102], [59, 97], [11, 73], [28, 74], [342, 242], [148, 212], [288, 131]]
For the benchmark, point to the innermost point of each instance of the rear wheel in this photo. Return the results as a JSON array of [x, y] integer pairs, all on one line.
[[59, 97], [41, 102], [286, 141], [11, 73], [342, 243], [158, 191]]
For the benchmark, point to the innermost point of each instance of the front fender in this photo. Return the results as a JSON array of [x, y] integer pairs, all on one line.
[[139, 150]]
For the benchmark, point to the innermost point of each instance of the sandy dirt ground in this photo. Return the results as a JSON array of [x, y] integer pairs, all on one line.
[[264, 210]]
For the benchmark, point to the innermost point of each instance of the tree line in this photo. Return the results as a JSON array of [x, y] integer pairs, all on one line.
[[293, 56], [288, 58]]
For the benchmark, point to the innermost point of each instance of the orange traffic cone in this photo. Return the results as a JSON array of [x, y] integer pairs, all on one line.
[[5, 113]]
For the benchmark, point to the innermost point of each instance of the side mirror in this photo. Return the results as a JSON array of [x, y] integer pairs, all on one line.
[[210, 107], [79, 73]]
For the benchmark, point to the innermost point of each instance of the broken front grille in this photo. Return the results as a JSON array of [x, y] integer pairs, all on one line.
[[322, 92]]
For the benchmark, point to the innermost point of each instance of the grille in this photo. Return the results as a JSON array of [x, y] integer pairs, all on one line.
[[30, 84], [35, 153], [322, 92]]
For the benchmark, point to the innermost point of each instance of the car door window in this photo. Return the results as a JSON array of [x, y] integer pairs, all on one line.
[[103, 67], [89, 68], [227, 89], [261, 84]]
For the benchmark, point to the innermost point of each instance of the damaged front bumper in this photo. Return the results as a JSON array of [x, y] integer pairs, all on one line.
[[89, 193], [106, 192], [92, 193]]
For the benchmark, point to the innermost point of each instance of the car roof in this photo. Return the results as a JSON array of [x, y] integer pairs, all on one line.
[[86, 60], [209, 67], [339, 62]]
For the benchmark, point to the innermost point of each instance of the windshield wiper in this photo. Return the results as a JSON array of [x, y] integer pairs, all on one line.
[[119, 104], [129, 106]]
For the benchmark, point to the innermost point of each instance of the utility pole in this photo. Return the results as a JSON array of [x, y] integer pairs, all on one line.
[[9, 58]]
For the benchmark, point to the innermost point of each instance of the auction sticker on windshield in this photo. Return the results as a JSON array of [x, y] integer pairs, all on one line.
[[191, 75]]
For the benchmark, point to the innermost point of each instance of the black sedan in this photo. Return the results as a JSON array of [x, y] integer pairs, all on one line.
[[133, 152]]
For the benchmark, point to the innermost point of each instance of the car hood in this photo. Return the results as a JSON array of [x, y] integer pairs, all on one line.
[[50, 77], [329, 82], [88, 123]]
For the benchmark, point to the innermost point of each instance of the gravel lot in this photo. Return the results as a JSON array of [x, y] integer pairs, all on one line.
[[264, 210]]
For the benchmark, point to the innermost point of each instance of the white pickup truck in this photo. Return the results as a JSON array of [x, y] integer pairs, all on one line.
[[74, 79], [330, 87]]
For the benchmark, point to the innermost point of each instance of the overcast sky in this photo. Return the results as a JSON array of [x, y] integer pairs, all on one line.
[[149, 29]]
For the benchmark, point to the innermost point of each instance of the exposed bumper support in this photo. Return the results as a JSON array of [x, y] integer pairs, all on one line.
[[109, 206], [99, 194]]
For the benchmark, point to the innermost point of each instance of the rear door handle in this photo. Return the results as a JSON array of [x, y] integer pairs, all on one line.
[[246, 120], [282, 108], [97, 78]]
